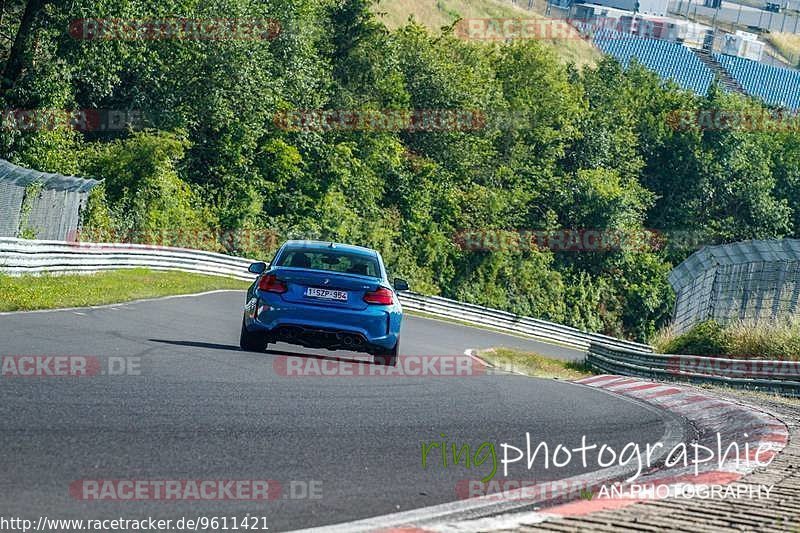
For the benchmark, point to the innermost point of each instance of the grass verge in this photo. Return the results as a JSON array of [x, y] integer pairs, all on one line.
[[788, 44], [778, 340], [435, 14], [29, 293], [533, 364]]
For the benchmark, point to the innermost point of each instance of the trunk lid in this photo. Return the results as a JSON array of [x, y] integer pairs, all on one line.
[[299, 281]]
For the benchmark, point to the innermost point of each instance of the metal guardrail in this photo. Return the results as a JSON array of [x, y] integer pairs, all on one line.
[[607, 354], [781, 377], [509, 322], [19, 256]]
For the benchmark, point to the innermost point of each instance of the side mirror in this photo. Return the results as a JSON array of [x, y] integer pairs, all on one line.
[[400, 284], [257, 268]]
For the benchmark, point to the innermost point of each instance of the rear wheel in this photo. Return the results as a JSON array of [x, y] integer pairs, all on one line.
[[252, 342], [388, 357]]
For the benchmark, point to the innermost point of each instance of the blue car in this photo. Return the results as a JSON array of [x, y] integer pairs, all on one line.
[[324, 295]]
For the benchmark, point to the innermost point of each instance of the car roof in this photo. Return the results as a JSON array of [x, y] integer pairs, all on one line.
[[326, 246]]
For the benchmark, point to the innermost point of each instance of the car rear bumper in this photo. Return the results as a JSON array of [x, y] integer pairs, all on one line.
[[377, 327]]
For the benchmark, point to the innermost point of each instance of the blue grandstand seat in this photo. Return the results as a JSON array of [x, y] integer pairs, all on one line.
[[774, 85], [673, 61]]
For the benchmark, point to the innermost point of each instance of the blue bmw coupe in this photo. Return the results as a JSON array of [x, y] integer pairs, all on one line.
[[324, 295]]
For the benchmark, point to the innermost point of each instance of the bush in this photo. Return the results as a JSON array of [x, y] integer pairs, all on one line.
[[142, 194], [739, 340], [705, 338], [761, 340]]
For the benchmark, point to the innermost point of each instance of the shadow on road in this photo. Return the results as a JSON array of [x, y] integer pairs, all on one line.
[[323, 357], [194, 344], [233, 348]]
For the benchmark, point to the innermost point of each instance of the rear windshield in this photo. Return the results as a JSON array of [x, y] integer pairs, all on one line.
[[332, 260]]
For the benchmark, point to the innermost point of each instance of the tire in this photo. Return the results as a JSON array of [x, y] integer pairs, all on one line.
[[388, 357], [252, 342]]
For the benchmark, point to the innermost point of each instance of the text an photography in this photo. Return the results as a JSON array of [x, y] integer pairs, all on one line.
[[207, 29], [556, 492], [68, 366], [695, 457]]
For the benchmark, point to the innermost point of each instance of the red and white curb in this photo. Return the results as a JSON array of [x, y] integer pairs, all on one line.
[[748, 426], [760, 437], [713, 418]]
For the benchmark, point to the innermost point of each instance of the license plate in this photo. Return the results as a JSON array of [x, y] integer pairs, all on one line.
[[326, 294]]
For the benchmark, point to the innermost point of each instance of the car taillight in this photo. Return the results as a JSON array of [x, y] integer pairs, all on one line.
[[380, 297], [271, 283]]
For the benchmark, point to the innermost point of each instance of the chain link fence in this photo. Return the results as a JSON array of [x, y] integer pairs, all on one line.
[[38, 205], [751, 281]]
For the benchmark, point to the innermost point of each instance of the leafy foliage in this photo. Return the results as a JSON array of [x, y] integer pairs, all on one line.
[[556, 147]]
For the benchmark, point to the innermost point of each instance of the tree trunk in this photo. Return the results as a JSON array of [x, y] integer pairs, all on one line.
[[16, 56]]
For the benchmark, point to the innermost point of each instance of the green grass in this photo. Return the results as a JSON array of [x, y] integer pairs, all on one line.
[[788, 44], [28, 293], [435, 14], [777, 340], [534, 364]]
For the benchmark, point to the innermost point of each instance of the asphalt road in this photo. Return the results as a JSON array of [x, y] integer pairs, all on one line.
[[194, 407]]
